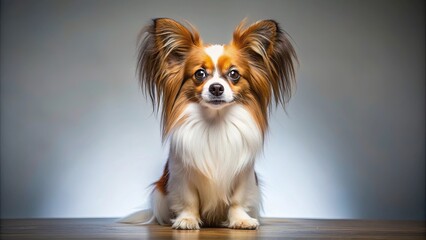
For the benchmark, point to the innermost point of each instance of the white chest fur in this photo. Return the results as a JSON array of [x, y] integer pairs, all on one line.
[[215, 145]]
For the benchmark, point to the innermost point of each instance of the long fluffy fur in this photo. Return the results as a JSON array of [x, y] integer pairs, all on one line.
[[163, 46], [209, 178], [272, 58]]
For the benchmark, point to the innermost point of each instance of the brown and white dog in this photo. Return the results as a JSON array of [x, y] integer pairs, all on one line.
[[214, 102]]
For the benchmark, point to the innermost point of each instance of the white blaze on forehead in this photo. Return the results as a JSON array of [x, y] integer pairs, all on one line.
[[214, 52]]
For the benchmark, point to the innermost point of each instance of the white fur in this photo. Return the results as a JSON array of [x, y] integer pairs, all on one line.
[[211, 163], [140, 217], [214, 52]]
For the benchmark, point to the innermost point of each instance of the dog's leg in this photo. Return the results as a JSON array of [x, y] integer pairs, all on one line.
[[245, 200], [160, 208], [185, 204]]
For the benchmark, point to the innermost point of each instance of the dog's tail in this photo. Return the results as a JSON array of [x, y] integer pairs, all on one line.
[[158, 214], [140, 217]]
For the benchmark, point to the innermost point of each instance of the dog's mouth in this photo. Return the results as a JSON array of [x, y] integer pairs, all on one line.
[[217, 102]]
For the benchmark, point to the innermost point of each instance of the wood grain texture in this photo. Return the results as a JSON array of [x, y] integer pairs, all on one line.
[[107, 228]]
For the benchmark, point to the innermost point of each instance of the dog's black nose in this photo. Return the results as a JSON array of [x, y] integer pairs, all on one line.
[[216, 89]]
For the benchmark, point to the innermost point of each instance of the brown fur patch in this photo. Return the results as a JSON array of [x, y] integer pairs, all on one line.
[[270, 55], [163, 50], [161, 184]]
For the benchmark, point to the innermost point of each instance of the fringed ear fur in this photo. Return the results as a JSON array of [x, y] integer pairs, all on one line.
[[270, 54], [163, 46]]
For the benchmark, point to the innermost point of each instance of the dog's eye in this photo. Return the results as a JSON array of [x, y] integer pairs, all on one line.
[[233, 75], [200, 74]]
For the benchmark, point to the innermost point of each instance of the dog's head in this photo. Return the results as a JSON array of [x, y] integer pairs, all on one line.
[[176, 69]]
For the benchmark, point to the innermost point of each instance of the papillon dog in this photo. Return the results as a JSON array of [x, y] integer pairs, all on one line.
[[214, 102]]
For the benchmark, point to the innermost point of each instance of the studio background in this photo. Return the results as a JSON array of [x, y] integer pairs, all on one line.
[[78, 139]]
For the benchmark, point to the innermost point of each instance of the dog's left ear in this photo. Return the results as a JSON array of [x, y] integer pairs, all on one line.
[[268, 48]]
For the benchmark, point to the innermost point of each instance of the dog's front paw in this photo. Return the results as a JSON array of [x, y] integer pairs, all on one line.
[[188, 223], [244, 223]]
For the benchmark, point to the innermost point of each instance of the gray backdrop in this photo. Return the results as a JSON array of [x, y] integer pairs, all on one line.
[[78, 138]]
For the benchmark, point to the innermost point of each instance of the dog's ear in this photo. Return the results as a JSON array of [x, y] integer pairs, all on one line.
[[163, 47], [173, 40], [269, 49]]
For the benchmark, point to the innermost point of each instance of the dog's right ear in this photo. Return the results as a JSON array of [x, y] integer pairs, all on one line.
[[163, 47]]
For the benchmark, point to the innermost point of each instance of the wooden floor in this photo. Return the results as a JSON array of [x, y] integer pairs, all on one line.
[[107, 228]]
